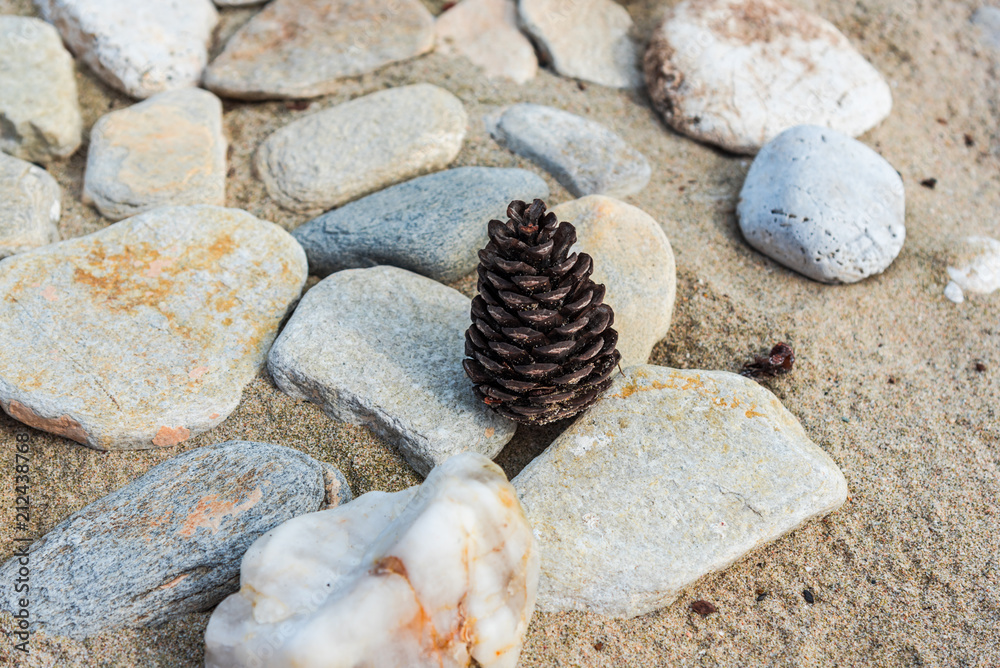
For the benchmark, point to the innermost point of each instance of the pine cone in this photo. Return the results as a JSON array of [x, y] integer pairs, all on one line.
[[541, 347]]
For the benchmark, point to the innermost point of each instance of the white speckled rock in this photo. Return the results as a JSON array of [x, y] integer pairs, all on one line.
[[585, 39], [144, 333], [736, 73], [824, 205], [987, 19], [384, 347], [486, 32], [166, 151], [443, 575], [358, 147], [29, 206], [585, 157], [39, 111], [302, 48], [139, 48], [671, 475], [634, 261], [974, 268]]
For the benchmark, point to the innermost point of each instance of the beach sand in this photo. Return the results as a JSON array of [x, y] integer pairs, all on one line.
[[906, 573]]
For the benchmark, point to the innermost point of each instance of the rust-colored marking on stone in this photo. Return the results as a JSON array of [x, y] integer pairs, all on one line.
[[211, 510], [168, 436], [173, 583], [157, 266], [63, 426], [213, 416], [50, 294], [490, 431], [197, 372]]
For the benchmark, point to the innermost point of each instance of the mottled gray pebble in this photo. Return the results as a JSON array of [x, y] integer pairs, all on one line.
[[29, 206]]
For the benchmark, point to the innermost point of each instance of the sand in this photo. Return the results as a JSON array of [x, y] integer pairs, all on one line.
[[907, 573]]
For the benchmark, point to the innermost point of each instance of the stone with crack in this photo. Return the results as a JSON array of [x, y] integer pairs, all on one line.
[[440, 575]]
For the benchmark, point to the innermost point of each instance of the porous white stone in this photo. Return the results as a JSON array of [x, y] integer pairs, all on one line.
[[358, 147], [634, 261], [585, 39], [671, 475], [974, 268], [144, 334], [585, 157], [383, 347], [486, 32], [39, 111], [140, 48], [166, 151], [303, 48], [987, 19], [736, 73], [29, 206], [440, 575], [823, 204]]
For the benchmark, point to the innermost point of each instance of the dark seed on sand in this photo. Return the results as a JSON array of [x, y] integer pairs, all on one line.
[[929, 183], [808, 596], [779, 361], [598, 645], [703, 608], [980, 367]]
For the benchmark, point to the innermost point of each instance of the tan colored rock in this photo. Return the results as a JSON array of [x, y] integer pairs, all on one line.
[[29, 206], [166, 151], [486, 32], [302, 48], [145, 333], [634, 261]]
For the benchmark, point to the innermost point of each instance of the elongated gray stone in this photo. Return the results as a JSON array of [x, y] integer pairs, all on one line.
[[405, 225], [145, 333], [30, 202], [824, 205], [383, 347], [166, 151], [361, 146], [169, 543], [585, 157], [39, 111], [303, 48], [671, 475]]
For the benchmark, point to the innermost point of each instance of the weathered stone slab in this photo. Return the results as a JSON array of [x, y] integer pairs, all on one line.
[[476, 29], [383, 347], [671, 475], [30, 202], [145, 333]]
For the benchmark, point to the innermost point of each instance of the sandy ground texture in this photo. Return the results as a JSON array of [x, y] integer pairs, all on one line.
[[907, 573]]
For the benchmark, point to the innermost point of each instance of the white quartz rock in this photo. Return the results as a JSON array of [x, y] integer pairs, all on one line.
[[975, 268], [443, 574]]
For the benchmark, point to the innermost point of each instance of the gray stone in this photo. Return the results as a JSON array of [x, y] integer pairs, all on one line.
[[634, 261], [303, 48], [358, 147], [29, 211], [824, 205], [433, 225], [585, 39], [39, 111], [736, 73], [988, 20], [383, 347], [169, 543], [144, 333], [585, 157], [140, 48], [166, 151], [474, 29], [670, 476]]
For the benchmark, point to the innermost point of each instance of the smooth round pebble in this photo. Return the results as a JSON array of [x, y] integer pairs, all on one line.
[[30, 207], [474, 28], [974, 268]]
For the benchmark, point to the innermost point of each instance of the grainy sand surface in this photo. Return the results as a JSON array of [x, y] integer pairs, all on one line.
[[907, 573]]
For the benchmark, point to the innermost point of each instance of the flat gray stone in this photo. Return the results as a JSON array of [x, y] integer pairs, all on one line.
[[169, 543], [144, 333], [823, 204], [669, 476], [30, 206], [584, 156], [140, 48], [988, 20], [474, 28], [585, 39], [383, 347], [39, 110], [404, 225], [303, 48], [634, 261], [358, 147], [736, 73], [166, 151]]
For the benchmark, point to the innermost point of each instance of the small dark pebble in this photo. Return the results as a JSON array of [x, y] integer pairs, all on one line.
[[231, 172], [598, 645], [581, 85], [761, 594], [980, 367], [892, 380], [942, 121], [298, 105], [703, 608], [969, 141], [929, 183], [808, 596], [873, 580]]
